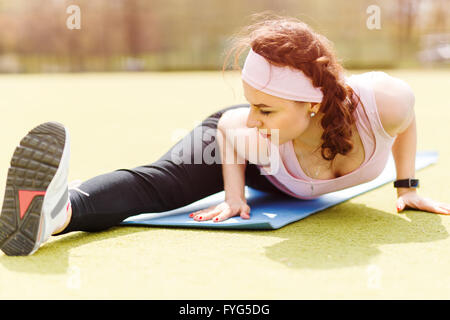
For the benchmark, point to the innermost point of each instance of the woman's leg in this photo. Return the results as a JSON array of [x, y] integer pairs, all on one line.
[[177, 179]]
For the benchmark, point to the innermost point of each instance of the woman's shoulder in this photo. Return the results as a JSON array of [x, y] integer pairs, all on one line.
[[247, 142], [394, 99]]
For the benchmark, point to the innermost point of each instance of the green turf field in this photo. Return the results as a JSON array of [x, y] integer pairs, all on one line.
[[360, 249]]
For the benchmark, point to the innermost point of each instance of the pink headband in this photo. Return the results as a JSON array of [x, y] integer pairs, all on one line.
[[283, 82]]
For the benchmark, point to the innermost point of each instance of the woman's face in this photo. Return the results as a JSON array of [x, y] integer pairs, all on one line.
[[268, 112]]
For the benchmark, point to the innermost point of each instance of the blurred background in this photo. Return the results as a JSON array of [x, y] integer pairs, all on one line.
[[165, 35], [106, 81]]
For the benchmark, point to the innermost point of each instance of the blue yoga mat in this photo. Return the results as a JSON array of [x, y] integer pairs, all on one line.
[[271, 211]]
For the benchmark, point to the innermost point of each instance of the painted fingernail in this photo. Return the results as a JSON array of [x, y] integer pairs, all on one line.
[[216, 219], [191, 215], [200, 218]]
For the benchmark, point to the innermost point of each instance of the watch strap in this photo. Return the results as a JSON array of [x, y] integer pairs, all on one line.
[[406, 183]]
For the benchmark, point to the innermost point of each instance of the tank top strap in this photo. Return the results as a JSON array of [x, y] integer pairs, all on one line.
[[362, 84]]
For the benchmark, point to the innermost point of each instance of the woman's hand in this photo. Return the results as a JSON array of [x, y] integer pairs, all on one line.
[[413, 200], [220, 212]]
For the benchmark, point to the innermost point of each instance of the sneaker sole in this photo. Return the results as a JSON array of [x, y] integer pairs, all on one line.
[[33, 165]]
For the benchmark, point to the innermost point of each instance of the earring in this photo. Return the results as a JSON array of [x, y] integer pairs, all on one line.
[[312, 114]]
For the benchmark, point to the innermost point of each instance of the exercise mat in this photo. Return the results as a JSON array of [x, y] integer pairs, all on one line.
[[271, 211]]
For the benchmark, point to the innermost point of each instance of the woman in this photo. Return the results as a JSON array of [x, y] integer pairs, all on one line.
[[329, 131]]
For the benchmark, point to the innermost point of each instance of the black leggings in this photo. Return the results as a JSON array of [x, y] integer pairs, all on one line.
[[164, 185]]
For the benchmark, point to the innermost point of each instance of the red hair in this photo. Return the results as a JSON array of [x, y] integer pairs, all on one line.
[[287, 41]]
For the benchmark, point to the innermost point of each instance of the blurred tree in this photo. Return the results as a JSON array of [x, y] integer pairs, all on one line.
[[407, 11], [131, 23], [192, 34]]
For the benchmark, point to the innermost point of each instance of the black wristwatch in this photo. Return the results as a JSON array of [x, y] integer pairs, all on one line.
[[406, 183]]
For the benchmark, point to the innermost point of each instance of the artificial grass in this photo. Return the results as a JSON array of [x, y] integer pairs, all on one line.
[[360, 249]]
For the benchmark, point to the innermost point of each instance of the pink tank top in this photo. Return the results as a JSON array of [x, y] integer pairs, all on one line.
[[377, 143]]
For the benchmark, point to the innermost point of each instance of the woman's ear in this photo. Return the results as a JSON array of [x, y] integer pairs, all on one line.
[[315, 107]]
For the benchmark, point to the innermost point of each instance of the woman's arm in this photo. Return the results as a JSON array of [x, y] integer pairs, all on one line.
[[395, 101], [233, 172], [397, 104], [404, 153], [238, 144], [233, 161]]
